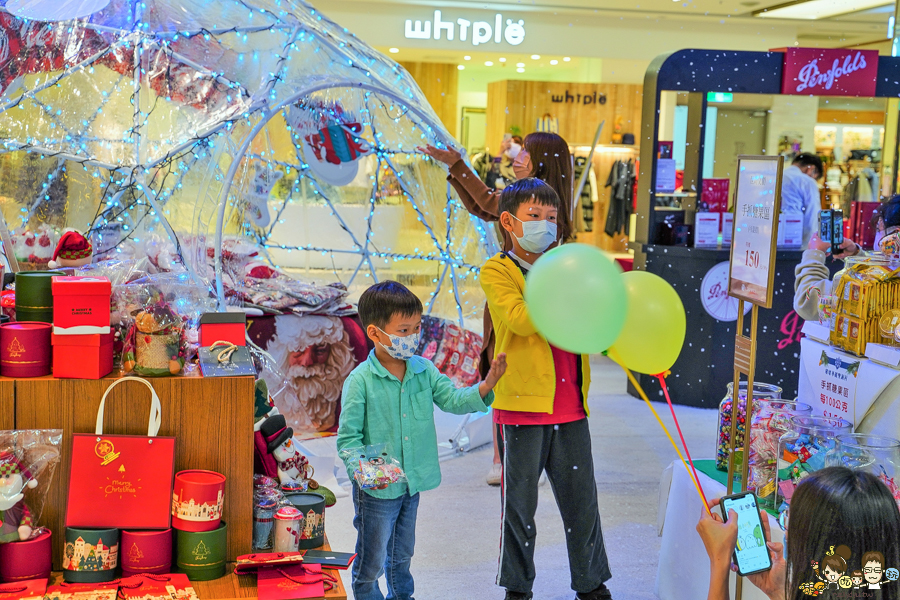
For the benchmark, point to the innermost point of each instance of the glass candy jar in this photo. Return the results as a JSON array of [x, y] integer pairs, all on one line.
[[769, 420], [802, 450], [875, 454], [761, 391]]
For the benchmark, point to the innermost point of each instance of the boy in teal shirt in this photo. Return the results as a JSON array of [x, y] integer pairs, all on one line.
[[389, 399]]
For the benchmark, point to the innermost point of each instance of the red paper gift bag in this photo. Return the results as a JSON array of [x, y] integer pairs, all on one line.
[[122, 481], [157, 587], [292, 583], [24, 590]]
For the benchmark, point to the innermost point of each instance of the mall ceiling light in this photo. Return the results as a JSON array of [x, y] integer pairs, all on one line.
[[520, 65], [467, 58], [461, 67], [520, 70], [394, 50], [502, 59], [489, 63], [535, 57], [818, 9], [566, 59], [554, 62]]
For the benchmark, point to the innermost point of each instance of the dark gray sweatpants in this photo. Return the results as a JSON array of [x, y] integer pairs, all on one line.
[[564, 451]]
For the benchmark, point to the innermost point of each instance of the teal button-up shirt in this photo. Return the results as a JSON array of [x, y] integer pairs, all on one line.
[[376, 408]]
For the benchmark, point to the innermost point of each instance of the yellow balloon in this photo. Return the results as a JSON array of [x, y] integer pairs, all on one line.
[[655, 325]]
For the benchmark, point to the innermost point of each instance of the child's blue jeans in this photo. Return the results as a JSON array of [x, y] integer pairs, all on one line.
[[385, 541]]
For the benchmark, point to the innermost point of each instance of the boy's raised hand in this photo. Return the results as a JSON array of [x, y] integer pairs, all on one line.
[[498, 368]]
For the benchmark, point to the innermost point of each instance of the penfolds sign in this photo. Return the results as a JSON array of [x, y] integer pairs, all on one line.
[[829, 72]]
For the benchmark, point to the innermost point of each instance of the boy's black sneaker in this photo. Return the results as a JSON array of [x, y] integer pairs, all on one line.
[[601, 593], [518, 595]]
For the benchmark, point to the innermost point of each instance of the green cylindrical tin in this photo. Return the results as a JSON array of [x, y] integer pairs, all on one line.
[[90, 555], [34, 295], [201, 554]]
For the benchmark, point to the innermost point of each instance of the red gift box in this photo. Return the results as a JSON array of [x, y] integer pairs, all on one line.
[[82, 356], [25, 349], [146, 552], [81, 305], [229, 327], [197, 500], [20, 561], [87, 591], [24, 590]]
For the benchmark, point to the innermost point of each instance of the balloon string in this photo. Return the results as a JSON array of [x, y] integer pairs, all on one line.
[[665, 388], [661, 424]]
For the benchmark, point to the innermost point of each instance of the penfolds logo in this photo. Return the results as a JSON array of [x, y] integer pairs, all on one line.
[[811, 76]]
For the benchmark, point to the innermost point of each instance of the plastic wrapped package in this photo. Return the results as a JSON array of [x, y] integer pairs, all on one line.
[[28, 459], [769, 421], [374, 466]]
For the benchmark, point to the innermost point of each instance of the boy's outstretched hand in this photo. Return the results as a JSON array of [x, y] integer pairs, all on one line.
[[498, 368]]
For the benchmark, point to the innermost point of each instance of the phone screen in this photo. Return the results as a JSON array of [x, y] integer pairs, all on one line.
[[838, 236], [825, 226], [751, 553]]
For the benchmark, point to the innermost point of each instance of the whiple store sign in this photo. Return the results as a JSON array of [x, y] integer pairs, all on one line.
[[829, 72]]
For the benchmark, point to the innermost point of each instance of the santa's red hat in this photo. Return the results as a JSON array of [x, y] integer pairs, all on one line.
[[73, 246], [11, 465]]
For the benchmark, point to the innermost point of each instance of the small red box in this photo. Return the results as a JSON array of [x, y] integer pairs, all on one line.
[[229, 327], [20, 561], [198, 500], [82, 356], [145, 552], [81, 305]]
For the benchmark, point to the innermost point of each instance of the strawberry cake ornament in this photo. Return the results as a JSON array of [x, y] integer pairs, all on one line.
[[73, 250]]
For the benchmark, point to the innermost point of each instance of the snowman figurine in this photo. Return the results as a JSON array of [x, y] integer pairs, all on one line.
[[292, 466], [15, 518]]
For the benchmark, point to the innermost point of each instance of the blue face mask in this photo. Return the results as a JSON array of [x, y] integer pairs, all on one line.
[[402, 347], [536, 235]]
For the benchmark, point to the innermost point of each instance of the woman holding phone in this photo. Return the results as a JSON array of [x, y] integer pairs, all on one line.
[[831, 507]]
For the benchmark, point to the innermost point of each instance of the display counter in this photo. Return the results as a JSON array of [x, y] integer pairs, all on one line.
[[211, 419], [705, 366]]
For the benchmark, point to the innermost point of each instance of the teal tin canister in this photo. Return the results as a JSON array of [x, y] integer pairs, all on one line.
[[312, 528], [90, 555], [201, 554], [34, 295]]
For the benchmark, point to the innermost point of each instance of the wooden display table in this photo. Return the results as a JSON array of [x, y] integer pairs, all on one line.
[[211, 419]]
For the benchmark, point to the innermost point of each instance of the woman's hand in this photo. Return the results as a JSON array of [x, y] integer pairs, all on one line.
[[848, 248], [718, 537], [771, 582], [448, 156]]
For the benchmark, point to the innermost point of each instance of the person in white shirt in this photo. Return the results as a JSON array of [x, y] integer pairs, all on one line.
[[800, 192]]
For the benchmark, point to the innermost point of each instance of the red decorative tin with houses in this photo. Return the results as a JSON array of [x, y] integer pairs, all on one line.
[[25, 349], [146, 552], [82, 356], [81, 305], [197, 500]]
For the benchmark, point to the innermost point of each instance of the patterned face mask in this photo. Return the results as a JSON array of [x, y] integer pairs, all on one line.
[[402, 347]]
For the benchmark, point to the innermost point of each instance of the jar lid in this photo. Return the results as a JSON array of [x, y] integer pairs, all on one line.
[[288, 513], [266, 503]]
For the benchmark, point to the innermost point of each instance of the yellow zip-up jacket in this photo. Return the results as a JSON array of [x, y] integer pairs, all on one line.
[[529, 384]]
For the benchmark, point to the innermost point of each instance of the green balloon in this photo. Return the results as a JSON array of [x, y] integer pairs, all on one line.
[[576, 298]]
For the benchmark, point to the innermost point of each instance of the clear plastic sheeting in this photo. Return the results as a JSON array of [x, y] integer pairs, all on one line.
[[255, 119]]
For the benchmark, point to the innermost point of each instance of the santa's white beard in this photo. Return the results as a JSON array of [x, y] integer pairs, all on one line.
[[310, 395]]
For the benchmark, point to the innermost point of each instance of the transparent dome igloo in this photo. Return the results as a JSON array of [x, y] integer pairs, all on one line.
[[189, 122]]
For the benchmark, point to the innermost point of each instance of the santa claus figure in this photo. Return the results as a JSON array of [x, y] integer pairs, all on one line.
[[73, 250], [314, 355], [15, 518]]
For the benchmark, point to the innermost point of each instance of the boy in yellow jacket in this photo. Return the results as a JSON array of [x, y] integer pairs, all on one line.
[[541, 406]]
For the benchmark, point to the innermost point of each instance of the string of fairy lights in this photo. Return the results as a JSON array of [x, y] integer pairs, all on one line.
[[196, 91]]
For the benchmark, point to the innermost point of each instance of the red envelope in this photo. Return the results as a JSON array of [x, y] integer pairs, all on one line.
[[254, 563], [291, 583], [122, 481], [30, 588], [157, 587]]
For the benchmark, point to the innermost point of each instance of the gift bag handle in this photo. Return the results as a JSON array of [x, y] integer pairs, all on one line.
[[155, 407]]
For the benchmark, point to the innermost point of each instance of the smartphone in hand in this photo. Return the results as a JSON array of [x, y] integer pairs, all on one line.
[[826, 227], [751, 555]]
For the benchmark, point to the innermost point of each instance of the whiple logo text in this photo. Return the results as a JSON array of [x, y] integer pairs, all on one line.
[[811, 76]]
